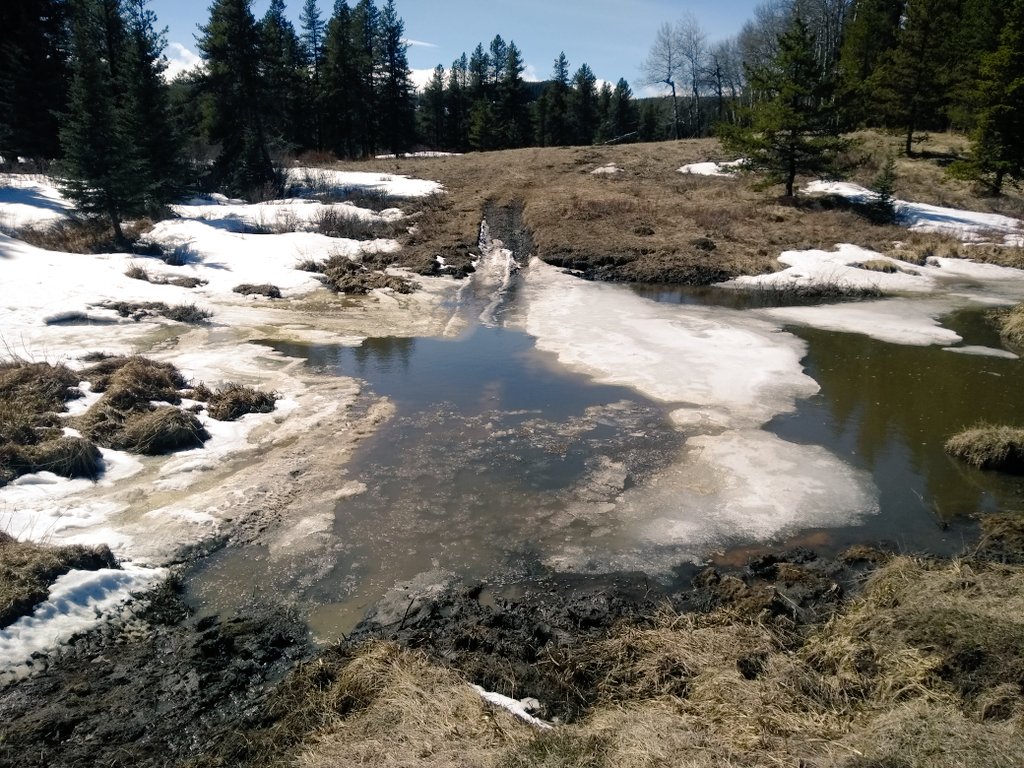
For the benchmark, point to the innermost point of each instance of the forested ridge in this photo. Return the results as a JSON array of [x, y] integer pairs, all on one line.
[[82, 83]]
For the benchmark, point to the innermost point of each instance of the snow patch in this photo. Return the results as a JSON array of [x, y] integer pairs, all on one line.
[[713, 169], [606, 170], [322, 179], [31, 201], [516, 707]]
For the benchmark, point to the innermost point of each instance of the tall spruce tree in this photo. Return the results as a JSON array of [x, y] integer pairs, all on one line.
[[792, 129], [34, 76], [997, 147], [457, 104], [365, 55], [624, 115], [340, 83], [513, 101], [871, 32], [236, 104], [555, 130], [282, 68], [396, 108], [583, 114], [910, 87], [99, 167], [433, 116], [313, 29]]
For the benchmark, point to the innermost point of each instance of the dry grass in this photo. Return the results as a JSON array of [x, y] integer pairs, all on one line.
[[924, 669], [82, 235], [179, 313], [137, 272], [988, 446], [125, 417], [1011, 326], [647, 223], [233, 401], [262, 289], [28, 569], [32, 395], [343, 275]]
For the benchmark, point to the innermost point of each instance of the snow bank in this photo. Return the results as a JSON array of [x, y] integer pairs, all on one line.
[[606, 170], [295, 214], [78, 601], [516, 707], [721, 366], [30, 201], [969, 226], [389, 184], [713, 169]]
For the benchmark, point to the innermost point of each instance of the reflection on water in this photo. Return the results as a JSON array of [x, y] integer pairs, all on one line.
[[890, 408]]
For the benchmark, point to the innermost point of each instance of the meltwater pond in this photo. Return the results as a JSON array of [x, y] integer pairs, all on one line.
[[503, 464]]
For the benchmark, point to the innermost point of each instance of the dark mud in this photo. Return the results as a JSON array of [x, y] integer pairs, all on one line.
[[160, 687]]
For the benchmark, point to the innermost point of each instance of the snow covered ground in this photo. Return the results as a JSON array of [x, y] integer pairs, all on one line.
[[30, 201]]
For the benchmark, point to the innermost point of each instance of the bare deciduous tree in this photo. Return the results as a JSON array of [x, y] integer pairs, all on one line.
[[663, 66]]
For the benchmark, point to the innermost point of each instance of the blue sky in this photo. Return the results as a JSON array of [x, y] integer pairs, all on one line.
[[610, 35]]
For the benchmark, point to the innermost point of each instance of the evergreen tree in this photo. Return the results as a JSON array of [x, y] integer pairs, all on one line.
[[479, 72], [313, 29], [498, 60], [997, 147], [147, 118], [433, 110], [340, 83], [395, 105], [282, 65], [871, 32], [236, 104], [910, 86], [624, 116], [457, 104], [513, 101], [793, 128], [557, 129], [99, 167], [34, 55], [604, 113], [365, 57], [583, 105], [652, 121], [484, 132]]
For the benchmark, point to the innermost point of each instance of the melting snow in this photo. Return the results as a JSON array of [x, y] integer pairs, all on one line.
[[30, 201], [713, 169], [319, 179]]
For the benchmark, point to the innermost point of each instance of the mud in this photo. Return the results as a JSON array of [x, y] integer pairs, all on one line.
[[160, 687]]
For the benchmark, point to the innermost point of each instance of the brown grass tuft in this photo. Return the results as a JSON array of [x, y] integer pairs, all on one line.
[[28, 569], [159, 431], [233, 401], [1011, 326], [990, 447], [263, 289]]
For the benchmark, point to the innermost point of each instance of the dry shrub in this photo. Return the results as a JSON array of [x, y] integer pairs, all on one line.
[[28, 569], [137, 272], [989, 447], [233, 401], [44, 385], [70, 457], [342, 275], [79, 236], [879, 265], [130, 383], [335, 222], [263, 289], [163, 430]]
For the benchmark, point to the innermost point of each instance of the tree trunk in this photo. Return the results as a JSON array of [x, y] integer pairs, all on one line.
[[675, 111], [115, 223]]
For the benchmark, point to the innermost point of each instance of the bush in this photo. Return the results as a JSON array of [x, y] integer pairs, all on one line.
[[986, 446], [234, 401], [263, 289], [181, 313]]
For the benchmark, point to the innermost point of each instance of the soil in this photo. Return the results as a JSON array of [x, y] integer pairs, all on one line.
[[160, 687]]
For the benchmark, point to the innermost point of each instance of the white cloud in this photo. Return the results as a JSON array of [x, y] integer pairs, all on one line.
[[179, 59], [419, 43], [530, 74], [420, 77]]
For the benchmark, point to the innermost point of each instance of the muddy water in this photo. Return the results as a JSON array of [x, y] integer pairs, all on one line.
[[494, 447]]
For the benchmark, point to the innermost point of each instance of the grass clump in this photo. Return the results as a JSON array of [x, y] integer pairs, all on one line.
[[181, 313], [263, 289], [27, 570], [233, 401], [87, 235], [1011, 325], [32, 397], [988, 446], [335, 222], [343, 275], [137, 272], [125, 418]]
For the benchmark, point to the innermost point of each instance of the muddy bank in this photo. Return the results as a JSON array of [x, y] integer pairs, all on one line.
[[161, 687]]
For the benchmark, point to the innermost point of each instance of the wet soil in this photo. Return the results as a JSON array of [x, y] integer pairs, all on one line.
[[160, 687]]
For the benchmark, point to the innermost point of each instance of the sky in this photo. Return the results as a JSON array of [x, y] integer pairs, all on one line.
[[612, 36]]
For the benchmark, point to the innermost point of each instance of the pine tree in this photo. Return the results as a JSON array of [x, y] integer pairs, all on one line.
[[283, 66], [624, 116], [793, 128], [457, 104], [557, 129], [911, 84], [312, 38], [870, 33], [365, 56], [433, 110], [479, 72], [236, 104], [339, 83], [513, 101], [604, 113], [583, 105], [147, 118], [997, 147], [395, 105], [99, 167], [34, 56]]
